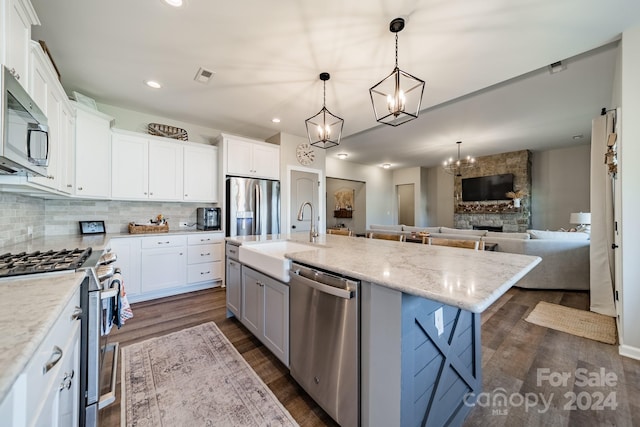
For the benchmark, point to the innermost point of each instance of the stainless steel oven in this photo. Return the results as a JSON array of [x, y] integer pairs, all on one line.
[[99, 294]]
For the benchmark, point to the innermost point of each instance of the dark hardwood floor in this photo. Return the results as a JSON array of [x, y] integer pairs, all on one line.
[[520, 362]]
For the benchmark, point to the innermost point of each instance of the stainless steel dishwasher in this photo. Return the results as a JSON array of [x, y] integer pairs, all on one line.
[[325, 340]]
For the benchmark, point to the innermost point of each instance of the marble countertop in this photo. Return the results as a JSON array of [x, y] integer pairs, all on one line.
[[471, 280], [28, 309]]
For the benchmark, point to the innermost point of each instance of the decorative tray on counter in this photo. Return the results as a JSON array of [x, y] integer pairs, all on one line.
[[148, 228]]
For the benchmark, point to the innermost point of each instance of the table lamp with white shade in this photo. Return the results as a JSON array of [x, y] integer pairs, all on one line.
[[582, 220]]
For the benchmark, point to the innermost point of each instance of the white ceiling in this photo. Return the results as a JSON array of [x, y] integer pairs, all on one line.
[[478, 58]]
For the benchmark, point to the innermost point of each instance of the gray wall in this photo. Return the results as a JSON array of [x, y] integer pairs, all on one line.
[[358, 223], [560, 185], [439, 198]]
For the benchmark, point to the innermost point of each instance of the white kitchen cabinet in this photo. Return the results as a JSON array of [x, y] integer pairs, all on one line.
[[130, 167], [47, 92], [163, 262], [204, 257], [265, 311], [127, 250], [66, 151], [93, 153], [233, 281], [17, 17], [50, 396], [200, 173], [245, 157], [166, 170]]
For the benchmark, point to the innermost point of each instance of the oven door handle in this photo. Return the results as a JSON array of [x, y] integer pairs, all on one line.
[[110, 397], [109, 293]]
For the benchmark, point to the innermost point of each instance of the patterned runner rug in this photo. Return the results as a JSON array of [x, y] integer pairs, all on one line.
[[195, 377], [582, 323]]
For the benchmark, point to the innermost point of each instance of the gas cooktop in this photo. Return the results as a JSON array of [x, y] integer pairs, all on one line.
[[42, 262]]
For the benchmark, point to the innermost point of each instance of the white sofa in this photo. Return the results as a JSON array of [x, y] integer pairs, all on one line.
[[565, 255]]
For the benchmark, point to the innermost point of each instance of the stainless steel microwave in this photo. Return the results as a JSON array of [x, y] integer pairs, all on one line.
[[25, 134]]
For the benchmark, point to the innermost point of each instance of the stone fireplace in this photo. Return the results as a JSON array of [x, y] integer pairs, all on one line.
[[493, 214]]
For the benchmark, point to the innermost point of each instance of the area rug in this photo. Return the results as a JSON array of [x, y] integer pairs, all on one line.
[[194, 377], [582, 323]]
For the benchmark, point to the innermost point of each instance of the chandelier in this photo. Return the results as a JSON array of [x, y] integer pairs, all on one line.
[[396, 99], [324, 129], [457, 167]]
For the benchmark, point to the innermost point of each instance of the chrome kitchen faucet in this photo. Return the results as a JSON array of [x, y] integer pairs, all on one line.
[[312, 232]]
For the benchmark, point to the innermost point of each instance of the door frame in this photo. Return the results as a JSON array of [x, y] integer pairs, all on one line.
[[286, 199]]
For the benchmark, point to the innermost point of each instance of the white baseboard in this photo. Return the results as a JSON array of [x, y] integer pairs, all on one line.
[[171, 291], [628, 351]]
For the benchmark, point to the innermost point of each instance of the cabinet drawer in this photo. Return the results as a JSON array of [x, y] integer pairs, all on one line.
[[232, 251], [204, 272], [204, 253], [204, 238], [163, 241], [63, 331]]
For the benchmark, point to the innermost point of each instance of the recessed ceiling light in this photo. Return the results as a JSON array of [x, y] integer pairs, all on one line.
[[275, 120], [153, 84], [386, 165], [342, 156], [174, 3], [576, 137]]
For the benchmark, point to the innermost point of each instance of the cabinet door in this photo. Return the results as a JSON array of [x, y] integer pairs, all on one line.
[[93, 154], [52, 107], [234, 287], [200, 174], [276, 319], [252, 301], [130, 167], [19, 18], [66, 153], [165, 170], [127, 249], [266, 161], [163, 268], [239, 157]]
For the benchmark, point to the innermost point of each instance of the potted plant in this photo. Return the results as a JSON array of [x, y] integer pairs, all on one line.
[[516, 196]]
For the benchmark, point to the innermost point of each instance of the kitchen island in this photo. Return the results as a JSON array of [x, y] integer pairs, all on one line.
[[420, 353]]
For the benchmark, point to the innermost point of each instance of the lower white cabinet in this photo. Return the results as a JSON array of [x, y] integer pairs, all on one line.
[[127, 250], [47, 392], [265, 311], [163, 262], [204, 257]]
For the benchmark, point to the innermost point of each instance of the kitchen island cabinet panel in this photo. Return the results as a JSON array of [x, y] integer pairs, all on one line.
[[265, 311], [233, 284]]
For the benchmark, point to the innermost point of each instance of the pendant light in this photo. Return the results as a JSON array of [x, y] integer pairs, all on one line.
[[457, 167], [396, 99], [324, 129]]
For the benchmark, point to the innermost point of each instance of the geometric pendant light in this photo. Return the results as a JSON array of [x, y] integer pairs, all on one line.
[[396, 99], [324, 129]]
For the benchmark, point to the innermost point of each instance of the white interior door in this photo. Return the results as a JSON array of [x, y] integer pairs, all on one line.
[[304, 188], [406, 204]]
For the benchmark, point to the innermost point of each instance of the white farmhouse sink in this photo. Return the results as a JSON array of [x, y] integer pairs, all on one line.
[[269, 257]]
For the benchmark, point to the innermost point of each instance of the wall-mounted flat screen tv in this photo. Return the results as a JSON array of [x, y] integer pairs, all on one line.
[[494, 187]]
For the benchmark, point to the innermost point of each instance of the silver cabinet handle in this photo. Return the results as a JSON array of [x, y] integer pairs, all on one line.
[[163, 243], [76, 313], [53, 360], [80, 188], [145, 193], [151, 194], [69, 185], [204, 272], [186, 195], [260, 284], [207, 254], [206, 240]]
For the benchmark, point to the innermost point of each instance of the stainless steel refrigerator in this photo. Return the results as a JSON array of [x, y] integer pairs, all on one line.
[[252, 206]]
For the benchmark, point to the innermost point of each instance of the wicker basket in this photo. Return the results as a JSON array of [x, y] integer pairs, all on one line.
[[145, 229], [167, 131]]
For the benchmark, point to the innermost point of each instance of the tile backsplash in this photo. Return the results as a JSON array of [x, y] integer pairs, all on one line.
[[60, 217]]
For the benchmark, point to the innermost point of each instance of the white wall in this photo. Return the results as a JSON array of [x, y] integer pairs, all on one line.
[[629, 174], [136, 121], [560, 185], [439, 198], [381, 207]]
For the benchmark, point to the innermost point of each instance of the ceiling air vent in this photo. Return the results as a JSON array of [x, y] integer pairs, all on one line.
[[557, 67], [203, 75]]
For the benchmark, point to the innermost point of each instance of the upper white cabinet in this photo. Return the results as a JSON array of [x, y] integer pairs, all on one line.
[[200, 173], [145, 167], [93, 153], [16, 18], [47, 92], [245, 157]]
